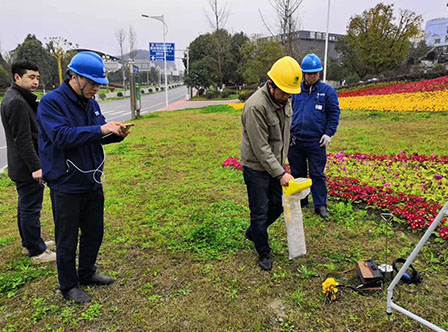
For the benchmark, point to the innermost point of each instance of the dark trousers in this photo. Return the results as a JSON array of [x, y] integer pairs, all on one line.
[[30, 196], [265, 204], [307, 153], [71, 213]]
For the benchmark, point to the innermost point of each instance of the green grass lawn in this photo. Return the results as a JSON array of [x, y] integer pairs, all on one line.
[[174, 240]]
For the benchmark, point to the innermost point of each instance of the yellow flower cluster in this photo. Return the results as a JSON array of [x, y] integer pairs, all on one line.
[[237, 106], [329, 288], [435, 101]]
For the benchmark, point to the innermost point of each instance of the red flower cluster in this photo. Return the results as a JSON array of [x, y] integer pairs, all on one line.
[[232, 163], [402, 156], [418, 212], [436, 84]]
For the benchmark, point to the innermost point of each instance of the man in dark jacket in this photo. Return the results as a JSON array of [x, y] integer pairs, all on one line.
[[315, 120], [72, 133], [18, 112]]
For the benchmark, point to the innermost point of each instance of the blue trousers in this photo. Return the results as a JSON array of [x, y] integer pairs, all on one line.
[[304, 155], [30, 196], [72, 213], [265, 204]]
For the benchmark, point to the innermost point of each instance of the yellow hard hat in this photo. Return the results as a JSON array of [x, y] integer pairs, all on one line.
[[286, 74]]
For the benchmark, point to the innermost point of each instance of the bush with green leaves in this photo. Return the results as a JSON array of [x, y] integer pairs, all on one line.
[[225, 93]]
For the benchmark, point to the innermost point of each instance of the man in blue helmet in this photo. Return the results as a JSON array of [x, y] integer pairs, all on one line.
[[72, 132], [315, 120]]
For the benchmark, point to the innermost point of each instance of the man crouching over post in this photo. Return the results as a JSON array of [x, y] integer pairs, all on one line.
[[72, 132], [266, 121]]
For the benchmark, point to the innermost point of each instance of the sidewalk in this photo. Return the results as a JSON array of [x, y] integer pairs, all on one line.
[[183, 104]]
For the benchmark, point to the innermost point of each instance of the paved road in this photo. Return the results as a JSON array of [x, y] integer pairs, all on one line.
[[118, 110]]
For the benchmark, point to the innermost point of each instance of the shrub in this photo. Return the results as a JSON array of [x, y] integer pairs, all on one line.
[[201, 92], [111, 88], [211, 94], [149, 90], [102, 95], [120, 94], [245, 94], [225, 93], [142, 92], [157, 89]]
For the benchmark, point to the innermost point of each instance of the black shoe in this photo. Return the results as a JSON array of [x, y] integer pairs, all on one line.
[[98, 279], [265, 262], [248, 236], [77, 295], [323, 212]]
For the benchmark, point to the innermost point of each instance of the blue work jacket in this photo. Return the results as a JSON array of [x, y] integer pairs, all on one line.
[[315, 111], [70, 130]]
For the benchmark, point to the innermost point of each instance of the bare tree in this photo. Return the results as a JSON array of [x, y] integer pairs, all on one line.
[[217, 18], [286, 11], [132, 38], [120, 36]]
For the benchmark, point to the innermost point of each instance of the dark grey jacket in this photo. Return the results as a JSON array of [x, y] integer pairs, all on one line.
[[18, 111]]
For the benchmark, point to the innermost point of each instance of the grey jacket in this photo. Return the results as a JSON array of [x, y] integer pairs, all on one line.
[[265, 138]]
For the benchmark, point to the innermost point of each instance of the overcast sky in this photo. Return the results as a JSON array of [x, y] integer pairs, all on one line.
[[92, 23]]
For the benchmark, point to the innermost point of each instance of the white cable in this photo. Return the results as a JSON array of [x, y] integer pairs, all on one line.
[[94, 171]]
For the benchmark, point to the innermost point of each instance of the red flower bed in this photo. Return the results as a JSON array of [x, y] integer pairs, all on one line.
[[417, 212], [436, 84]]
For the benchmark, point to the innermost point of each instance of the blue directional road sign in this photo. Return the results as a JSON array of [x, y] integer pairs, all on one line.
[[156, 51], [135, 69]]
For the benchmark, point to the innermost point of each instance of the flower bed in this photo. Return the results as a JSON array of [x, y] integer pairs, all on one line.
[[412, 187], [435, 101], [426, 96], [436, 84]]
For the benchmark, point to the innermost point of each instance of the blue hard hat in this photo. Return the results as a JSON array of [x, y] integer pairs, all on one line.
[[311, 64], [89, 65]]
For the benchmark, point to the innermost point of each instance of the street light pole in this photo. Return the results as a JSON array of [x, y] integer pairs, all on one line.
[[161, 18], [326, 43]]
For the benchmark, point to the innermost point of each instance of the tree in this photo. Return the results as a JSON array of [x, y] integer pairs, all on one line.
[[218, 16], [286, 11], [217, 20], [32, 50], [375, 42], [59, 48], [237, 43], [202, 72], [5, 78], [120, 36], [258, 57], [132, 38]]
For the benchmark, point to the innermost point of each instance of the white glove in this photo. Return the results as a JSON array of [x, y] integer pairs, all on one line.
[[325, 141]]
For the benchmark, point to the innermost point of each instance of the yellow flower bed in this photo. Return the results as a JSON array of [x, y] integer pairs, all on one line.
[[237, 106], [435, 101]]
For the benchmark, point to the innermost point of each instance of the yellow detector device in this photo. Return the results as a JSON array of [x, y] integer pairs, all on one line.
[[297, 185]]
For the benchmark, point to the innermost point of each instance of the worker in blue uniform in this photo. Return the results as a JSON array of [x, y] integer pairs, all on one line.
[[315, 120], [72, 132]]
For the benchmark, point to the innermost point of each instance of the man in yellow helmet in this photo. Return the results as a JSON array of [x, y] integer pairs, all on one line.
[[266, 122]]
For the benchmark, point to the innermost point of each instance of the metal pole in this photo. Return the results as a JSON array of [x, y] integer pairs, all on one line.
[[188, 72], [164, 63], [326, 43], [390, 290]]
